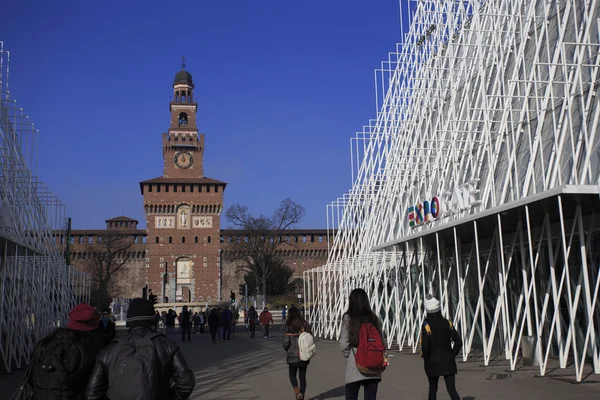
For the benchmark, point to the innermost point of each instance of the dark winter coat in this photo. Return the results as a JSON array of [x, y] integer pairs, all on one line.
[[252, 316], [290, 345], [109, 332], [185, 319], [214, 320], [437, 347], [176, 380], [171, 317], [62, 364]]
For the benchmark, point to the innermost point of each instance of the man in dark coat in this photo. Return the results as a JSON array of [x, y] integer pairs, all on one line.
[[213, 324], [116, 378], [186, 324], [170, 321], [440, 344], [107, 327]]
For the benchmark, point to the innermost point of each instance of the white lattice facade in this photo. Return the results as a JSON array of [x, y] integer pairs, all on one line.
[[479, 183], [37, 288]]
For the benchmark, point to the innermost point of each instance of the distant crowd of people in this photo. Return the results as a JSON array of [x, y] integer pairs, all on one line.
[[85, 361], [220, 322]]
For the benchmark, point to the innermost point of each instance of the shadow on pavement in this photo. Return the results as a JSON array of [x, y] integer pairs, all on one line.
[[331, 394], [239, 369]]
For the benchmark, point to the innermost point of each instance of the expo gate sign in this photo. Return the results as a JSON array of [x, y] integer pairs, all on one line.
[[461, 198]]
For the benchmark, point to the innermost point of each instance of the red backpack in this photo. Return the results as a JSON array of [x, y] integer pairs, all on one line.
[[370, 357]]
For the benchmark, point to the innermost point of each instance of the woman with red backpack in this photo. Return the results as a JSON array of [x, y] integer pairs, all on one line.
[[361, 330]]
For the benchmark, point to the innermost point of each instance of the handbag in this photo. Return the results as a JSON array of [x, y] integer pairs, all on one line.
[[25, 391]]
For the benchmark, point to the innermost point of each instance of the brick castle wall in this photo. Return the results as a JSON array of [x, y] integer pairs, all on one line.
[[307, 249]]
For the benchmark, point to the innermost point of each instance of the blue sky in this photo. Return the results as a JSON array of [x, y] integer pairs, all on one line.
[[281, 87]]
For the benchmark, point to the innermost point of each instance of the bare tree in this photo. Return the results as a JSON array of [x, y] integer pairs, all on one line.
[[109, 255], [261, 238]]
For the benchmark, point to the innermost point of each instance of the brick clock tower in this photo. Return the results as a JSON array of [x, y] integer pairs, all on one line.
[[182, 210]]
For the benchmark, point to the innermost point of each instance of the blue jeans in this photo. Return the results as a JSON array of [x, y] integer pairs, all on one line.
[[370, 389]]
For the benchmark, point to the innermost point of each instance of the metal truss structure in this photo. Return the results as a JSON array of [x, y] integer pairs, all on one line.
[[478, 182], [37, 288]]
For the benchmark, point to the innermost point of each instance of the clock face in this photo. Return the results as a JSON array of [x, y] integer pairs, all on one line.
[[184, 160]]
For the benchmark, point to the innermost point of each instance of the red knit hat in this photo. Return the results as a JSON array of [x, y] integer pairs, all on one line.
[[83, 318]]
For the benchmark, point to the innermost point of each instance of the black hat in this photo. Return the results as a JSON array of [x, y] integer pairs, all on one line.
[[140, 310]]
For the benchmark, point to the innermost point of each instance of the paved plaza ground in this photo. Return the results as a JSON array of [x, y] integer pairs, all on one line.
[[246, 369]]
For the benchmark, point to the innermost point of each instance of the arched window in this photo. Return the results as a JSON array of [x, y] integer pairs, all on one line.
[[208, 239], [157, 239], [196, 239], [183, 96], [183, 239], [183, 119], [170, 239], [177, 96]]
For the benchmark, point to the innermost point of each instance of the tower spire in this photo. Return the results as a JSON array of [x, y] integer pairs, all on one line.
[[182, 62]]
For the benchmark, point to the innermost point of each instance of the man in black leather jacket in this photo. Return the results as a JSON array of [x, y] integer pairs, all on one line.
[[175, 379]]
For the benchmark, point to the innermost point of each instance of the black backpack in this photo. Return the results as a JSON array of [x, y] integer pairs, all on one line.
[[135, 374]]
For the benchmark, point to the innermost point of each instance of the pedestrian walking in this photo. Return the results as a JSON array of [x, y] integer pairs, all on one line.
[[236, 316], [170, 321], [143, 365], [227, 319], [202, 321], [359, 312], [196, 323], [220, 329], [107, 327], [158, 318], [252, 319], [62, 362], [213, 324], [440, 344], [163, 321], [185, 320], [295, 325], [266, 319]]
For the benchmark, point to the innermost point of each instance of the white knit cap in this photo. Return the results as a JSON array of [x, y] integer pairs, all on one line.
[[432, 305]]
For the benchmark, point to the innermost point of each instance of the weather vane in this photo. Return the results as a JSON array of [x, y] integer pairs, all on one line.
[[182, 62]]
